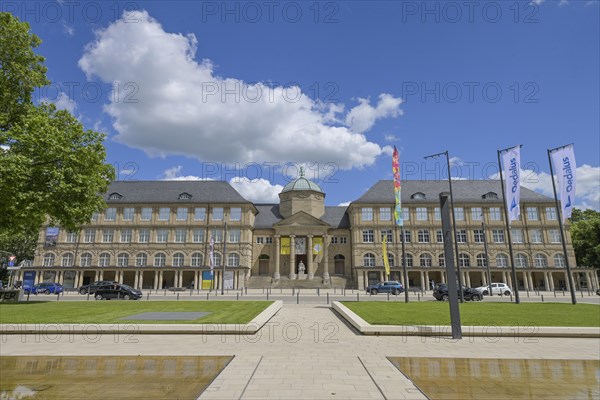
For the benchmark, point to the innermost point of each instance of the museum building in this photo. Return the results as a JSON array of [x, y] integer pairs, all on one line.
[[159, 235]]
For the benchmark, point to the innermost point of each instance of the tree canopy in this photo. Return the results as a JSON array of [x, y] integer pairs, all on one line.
[[51, 168], [585, 233]]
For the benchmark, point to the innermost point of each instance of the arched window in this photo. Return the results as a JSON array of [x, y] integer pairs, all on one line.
[[418, 196], [48, 260], [521, 261], [540, 261], [160, 259], [409, 260], [104, 260], [217, 258], [425, 260], [369, 260], [464, 260], [115, 196], [391, 259], [501, 260], [178, 259], [67, 260], [197, 260], [481, 260], [233, 260], [86, 260], [442, 260], [490, 195], [123, 260], [141, 260], [185, 196], [559, 260]]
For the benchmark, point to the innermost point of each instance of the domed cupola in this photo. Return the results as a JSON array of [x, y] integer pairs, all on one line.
[[302, 194]]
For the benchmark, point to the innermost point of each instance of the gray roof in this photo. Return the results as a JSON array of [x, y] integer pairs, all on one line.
[[465, 191], [268, 215], [169, 191]]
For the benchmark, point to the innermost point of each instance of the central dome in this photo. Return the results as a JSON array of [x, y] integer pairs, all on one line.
[[301, 183]]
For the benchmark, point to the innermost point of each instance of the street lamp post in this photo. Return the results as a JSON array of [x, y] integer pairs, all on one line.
[[445, 153]]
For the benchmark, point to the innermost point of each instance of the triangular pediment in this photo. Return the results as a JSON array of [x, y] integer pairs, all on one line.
[[301, 219]]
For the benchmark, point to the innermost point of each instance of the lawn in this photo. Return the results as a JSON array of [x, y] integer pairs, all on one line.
[[478, 313], [110, 312]]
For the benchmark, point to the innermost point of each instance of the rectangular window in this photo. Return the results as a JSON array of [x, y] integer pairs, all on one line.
[[217, 214], [128, 213], [146, 214], [495, 214], [110, 214], [268, 240], [437, 214], [164, 213], [367, 236], [235, 214], [198, 235], [367, 214], [517, 235], [343, 239], [551, 213], [405, 214], [459, 213], [439, 237], [385, 214], [199, 214], [72, 237], [144, 235], [162, 235], [180, 235], [260, 240], [498, 235], [532, 213], [555, 236], [234, 235], [387, 233], [461, 236], [536, 236], [182, 214], [217, 234], [478, 235], [107, 235], [407, 236], [422, 214], [423, 235], [476, 214], [125, 235], [94, 216]]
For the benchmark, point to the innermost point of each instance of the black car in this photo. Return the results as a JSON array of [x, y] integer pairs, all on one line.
[[440, 292], [92, 287], [117, 291]]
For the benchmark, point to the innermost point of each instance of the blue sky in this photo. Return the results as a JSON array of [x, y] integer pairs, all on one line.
[[424, 76]]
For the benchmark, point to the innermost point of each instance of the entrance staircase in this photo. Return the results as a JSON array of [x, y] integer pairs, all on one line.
[[259, 282]]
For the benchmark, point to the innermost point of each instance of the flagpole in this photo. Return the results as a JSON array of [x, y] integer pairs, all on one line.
[[224, 258], [508, 233], [560, 225], [405, 272]]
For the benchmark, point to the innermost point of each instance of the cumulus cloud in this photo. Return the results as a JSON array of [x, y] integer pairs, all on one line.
[[62, 102], [257, 190], [391, 138], [184, 108], [344, 204], [172, 174]]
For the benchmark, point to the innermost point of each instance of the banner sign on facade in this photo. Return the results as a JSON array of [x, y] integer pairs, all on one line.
[[228, 280], [397, 190], [511, 162], [300, 245], [206, 280], [317, 245], [285, 246], [386, 261], [51, 236], [565, 169]]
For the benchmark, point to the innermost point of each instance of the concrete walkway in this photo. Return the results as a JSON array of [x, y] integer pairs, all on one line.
[[304, 351]]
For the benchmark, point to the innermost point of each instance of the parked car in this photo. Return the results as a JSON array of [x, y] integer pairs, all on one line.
[[47, 288], [92, 287], [393, 287], [117, 291], [497, 288], [441, 293]]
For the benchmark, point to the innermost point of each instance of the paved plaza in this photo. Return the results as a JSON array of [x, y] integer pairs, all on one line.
[[305, 351]]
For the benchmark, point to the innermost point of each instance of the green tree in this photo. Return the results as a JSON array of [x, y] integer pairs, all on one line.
[[51, 169], [585, 233]]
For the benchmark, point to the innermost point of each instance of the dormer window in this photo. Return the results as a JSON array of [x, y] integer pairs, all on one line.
[[115, 196], [418, 196], [490, 195], [185, 196]]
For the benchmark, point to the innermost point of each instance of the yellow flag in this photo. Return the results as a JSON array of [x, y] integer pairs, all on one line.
[[317, 245], [386, 262], [285, 245]]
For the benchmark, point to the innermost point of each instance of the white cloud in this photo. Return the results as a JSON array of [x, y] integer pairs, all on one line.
[[362, 117], [563, 2], [69, 30], [62, 102], [537, 2], [389, 150], [391, 138], [344, 204], [182, 107], [257, 190], [172, 174]]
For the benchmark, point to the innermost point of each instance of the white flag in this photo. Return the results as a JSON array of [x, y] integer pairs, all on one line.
[[564, 168], [511, 160]]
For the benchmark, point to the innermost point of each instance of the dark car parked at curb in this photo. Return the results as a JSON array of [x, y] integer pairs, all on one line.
[[392, 287], [117, 291], [92, 287], [441, 293]]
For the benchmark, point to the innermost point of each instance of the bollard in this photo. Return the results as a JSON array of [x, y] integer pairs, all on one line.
[[165, 292], [207, 293], [267, 295], [527, 293], [388, 296], [563, 292], [57, 296], [581, 290], [177, 296], [419, 296], [237, 296], [28, 293], [298, 297], [327, 298], [245, 290], [357, 297], [511, 297], [88, 295], [542, 298], [318, 292], [293, 291], [148, 296], [554, 293]]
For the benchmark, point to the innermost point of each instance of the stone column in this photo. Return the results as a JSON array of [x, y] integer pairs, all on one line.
[[292, 257], [309, 258], [566, 284], [155, 280], [532, 283], [101, 275], [141, 279], [509, 280], [160, 279], [525, 285], [427, 285], [277, 274], [468, 280], [326, 278], [546, 281], [136, 280], [442, 276], [96, 275], [423, 286], [484, 278]]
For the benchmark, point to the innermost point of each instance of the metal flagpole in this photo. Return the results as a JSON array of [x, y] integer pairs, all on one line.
[[508, 233], [560, 225], [460, 283], [487, 259], [404, 271]]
